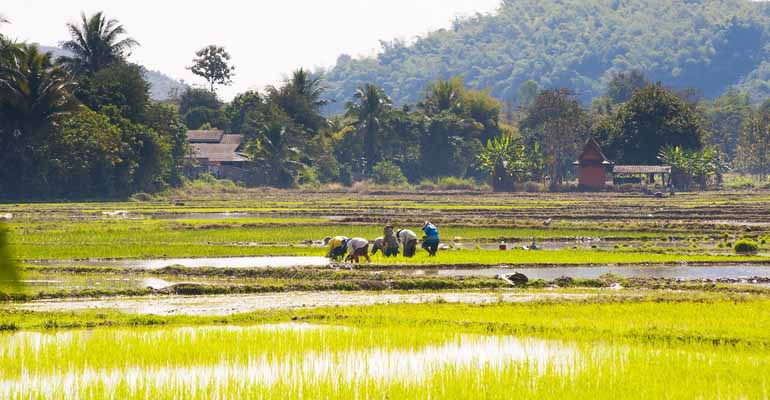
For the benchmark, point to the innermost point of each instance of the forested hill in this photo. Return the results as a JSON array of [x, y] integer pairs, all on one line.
[[708, 44]]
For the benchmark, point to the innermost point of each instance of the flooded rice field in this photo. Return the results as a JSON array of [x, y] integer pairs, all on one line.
[[239, 304], [212, 262], [260, 360], [551, 273]]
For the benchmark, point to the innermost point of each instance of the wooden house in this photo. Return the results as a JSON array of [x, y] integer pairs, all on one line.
[[217, 153], [592, 167]]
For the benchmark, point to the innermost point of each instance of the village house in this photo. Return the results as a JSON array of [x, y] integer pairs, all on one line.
[[217, 153], [596, 172]]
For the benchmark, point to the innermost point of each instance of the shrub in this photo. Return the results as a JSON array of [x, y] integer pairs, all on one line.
[[451, 183], [308, 177], [746, 246], [387, 173]]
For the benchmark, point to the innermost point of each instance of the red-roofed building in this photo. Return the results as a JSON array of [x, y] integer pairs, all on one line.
[[593, 167]]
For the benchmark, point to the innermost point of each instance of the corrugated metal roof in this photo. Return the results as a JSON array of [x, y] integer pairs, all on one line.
[[208, 136], [231, 139], [217, 152], [641, 169]]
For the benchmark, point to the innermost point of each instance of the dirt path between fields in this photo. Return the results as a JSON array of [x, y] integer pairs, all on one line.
[[237, 304]]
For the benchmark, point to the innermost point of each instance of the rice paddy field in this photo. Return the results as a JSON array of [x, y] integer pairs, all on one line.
[[229, 295]]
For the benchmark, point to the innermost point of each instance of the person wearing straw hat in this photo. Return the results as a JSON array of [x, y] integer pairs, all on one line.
[[337, 247]]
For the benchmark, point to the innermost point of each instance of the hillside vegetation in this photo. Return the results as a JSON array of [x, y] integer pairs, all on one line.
[[711, 45], [162, 86]]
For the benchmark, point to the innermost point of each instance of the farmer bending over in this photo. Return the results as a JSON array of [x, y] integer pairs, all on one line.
[[337, 247], [378, 245], [390, 242], [431, 240], [409, 240], [358, 247]]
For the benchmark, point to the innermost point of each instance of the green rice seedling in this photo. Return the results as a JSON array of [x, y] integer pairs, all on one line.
[[695, 347]]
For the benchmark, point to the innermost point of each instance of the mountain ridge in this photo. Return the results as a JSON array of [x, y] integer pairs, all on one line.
[[709, 44]]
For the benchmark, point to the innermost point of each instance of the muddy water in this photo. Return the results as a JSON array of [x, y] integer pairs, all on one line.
[[238, 304], [314, 366], [672, 272], [222, 262]]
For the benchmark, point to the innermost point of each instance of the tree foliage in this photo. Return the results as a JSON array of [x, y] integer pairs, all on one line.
[[212, 63], [96, 43], [654, 117], [577, 44], [557, 125], [754, 145]]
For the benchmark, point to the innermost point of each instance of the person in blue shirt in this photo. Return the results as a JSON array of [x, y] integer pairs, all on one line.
[[431, 240]]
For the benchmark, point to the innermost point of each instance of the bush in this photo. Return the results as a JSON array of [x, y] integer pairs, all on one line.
[[387, 173], [746, 246], [450, 183], [308, 177]]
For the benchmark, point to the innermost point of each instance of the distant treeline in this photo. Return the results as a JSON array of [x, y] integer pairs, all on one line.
[[85, 126]]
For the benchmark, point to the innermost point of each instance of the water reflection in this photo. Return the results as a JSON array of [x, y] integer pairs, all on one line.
[[474, 353]]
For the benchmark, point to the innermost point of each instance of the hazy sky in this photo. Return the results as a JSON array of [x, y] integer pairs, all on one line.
[[266, 38]]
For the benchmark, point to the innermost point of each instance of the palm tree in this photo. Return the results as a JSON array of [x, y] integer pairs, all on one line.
[[33, 90], [96, 43], [301, 97], [369, 110], [444, 96], [308, 87], [274, 154]]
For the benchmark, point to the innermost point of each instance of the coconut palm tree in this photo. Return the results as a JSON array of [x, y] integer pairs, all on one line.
[[369, 111], [308, 87], [96, 43], [444, 96], [33, 90]]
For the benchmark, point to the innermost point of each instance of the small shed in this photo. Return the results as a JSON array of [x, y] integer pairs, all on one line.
[[592, 167], [635, 174]]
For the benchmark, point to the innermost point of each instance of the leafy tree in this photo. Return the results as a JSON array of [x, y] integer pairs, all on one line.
[[557, 125], [197, 97], [164, 119], [652, 119], [725, 118], [85, 153], [35, 95], [754, 147], [212, 64], [238, 110], [369, 112], [449, 145], [121, 85], [96, 43], [388, 173], [200, 117], [199, 107]]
